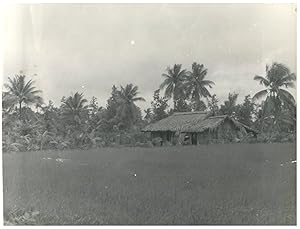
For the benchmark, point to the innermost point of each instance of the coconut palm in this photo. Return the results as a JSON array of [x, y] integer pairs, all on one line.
[[127, 111], [21, 92], [196, 85], [277, 77], [74, 108], [174, 81]]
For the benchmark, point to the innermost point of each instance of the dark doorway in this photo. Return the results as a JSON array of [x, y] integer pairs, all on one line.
[[194, 139], [169, 136]]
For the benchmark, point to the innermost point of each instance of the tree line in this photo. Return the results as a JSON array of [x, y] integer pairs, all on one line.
[[78, 123]]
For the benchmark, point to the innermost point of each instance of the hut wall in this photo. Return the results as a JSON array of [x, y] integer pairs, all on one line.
[[203, 137], [164, 135], [226, 132], [155, 134]]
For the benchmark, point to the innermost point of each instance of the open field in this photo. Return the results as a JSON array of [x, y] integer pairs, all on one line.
[[209, 184]]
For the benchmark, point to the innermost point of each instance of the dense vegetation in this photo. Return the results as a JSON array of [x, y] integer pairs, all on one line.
[[30, 124]]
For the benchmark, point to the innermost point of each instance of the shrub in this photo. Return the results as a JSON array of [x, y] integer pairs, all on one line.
[[157, 141], [139, 144], [167, 143], [148, 144]]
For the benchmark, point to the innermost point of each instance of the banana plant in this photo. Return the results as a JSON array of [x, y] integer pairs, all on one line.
[[43, 137], [90, 138]]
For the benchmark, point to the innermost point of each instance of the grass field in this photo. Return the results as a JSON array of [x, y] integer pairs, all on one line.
[[210, 184]]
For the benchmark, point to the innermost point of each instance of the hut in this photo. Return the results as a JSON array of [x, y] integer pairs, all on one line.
[[198, 128]]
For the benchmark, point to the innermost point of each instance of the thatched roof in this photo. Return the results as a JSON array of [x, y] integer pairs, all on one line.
[[176, 122], [247, 128], [192, 122]]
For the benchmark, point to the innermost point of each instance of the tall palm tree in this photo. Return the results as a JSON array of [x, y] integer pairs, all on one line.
[[277, 77], [74, 108], [174, 81], [21, 92], [196, 85], [127, 110]]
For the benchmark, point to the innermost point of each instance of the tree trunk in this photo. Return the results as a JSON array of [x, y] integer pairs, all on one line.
[[20, 109], [174, 101], [174, 104]]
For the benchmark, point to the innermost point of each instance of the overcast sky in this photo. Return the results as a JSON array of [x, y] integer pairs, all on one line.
[[90, 47]]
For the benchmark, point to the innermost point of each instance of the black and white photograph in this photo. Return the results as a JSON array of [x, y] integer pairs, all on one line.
[[149, 114]]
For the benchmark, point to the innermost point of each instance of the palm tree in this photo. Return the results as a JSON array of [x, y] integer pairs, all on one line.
[[174, 79], [196, 84], [148, 115], [20, 92], [74, 108], [127, 110], [277, 77]]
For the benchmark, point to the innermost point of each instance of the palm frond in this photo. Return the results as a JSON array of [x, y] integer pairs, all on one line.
[[165, 83], [289, 84], [260, 94], [202, 73], [138, 99], [262, 80], [287, 96], [207, 83], [169, 91], [286, 81]]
